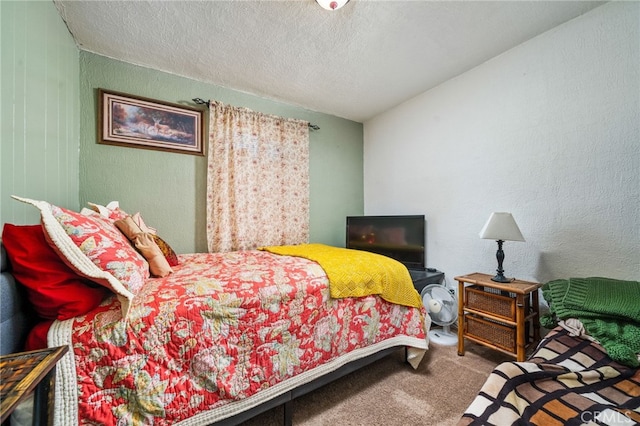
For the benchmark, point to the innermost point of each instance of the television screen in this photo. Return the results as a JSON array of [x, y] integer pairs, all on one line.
[[400, 237]]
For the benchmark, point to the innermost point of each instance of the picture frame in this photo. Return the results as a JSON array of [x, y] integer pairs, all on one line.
[[138, 122]]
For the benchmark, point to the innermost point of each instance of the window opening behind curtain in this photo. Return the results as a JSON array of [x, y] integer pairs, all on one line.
[[257, 179]]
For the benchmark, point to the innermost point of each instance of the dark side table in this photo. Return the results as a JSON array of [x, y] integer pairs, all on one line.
[[23, 372]]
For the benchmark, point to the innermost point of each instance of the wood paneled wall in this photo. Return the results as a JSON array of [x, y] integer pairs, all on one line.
[[39, 110]]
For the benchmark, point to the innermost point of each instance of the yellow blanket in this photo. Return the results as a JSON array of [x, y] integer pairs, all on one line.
[[356, 273]]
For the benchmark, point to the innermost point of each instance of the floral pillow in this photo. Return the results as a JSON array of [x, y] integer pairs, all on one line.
[[94, 248], [105, 245]]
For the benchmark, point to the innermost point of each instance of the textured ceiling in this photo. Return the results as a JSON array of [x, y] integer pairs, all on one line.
[[354, 63]]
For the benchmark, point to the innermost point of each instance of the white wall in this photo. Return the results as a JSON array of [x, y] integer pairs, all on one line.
[[548, 131]]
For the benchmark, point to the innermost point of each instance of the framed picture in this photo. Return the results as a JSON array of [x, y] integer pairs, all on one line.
[[137, 122]]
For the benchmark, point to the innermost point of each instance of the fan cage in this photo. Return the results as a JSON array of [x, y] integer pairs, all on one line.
[[451, 305]]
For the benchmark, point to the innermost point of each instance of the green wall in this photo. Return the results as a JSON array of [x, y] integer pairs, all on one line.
[[39, 110], [169, 189], [49, 149]]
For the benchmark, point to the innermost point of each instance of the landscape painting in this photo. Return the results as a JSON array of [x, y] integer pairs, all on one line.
[[138, 122]]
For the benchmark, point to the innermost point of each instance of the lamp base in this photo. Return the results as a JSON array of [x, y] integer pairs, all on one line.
[[501, 279]]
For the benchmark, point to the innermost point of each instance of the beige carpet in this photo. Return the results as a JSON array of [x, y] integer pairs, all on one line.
[[390, 392]]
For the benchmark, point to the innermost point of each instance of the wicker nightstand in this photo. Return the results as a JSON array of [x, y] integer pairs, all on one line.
[[498, 315], [21, 373]]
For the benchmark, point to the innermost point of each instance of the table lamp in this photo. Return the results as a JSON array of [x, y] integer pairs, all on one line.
[[501, 227]]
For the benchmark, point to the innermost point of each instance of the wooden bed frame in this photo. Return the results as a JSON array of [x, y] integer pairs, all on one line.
[[16, 319]]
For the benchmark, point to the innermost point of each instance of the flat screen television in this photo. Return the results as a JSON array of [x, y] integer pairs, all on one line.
[[399, 237]]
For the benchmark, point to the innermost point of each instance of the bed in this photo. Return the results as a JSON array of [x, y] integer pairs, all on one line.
[[218, 339], [584, 371]]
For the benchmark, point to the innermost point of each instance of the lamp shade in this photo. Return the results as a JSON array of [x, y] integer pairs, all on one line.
[[332, 4], [501, 226]]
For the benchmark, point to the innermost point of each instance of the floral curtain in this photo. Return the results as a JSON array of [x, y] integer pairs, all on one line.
[[257, 179]]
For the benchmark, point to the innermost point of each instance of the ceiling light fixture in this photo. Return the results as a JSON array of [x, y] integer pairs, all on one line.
[[332, 4]]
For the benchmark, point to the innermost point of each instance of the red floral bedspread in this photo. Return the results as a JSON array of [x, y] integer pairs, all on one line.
[[223, 330]]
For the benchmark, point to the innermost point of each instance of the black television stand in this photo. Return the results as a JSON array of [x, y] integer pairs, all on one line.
[[422, 277]]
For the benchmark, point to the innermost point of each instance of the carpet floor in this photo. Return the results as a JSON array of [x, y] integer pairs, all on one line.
[[390, 392]]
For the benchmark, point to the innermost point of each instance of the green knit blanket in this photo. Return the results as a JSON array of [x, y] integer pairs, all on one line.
[[608, 309]]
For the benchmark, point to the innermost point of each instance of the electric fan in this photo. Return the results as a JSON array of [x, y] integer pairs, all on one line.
[[442, 306]]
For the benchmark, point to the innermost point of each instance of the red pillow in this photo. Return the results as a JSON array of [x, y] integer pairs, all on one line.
[[37, 337], [54, 289]]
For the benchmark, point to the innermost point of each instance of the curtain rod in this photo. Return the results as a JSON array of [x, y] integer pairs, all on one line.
[[201, 101]]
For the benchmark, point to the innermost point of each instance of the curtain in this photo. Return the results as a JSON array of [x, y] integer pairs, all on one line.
[[257, 179]]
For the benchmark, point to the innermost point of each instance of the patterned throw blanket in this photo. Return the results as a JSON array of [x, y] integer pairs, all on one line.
[[567, 381], [356, 273], [608, 309]]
